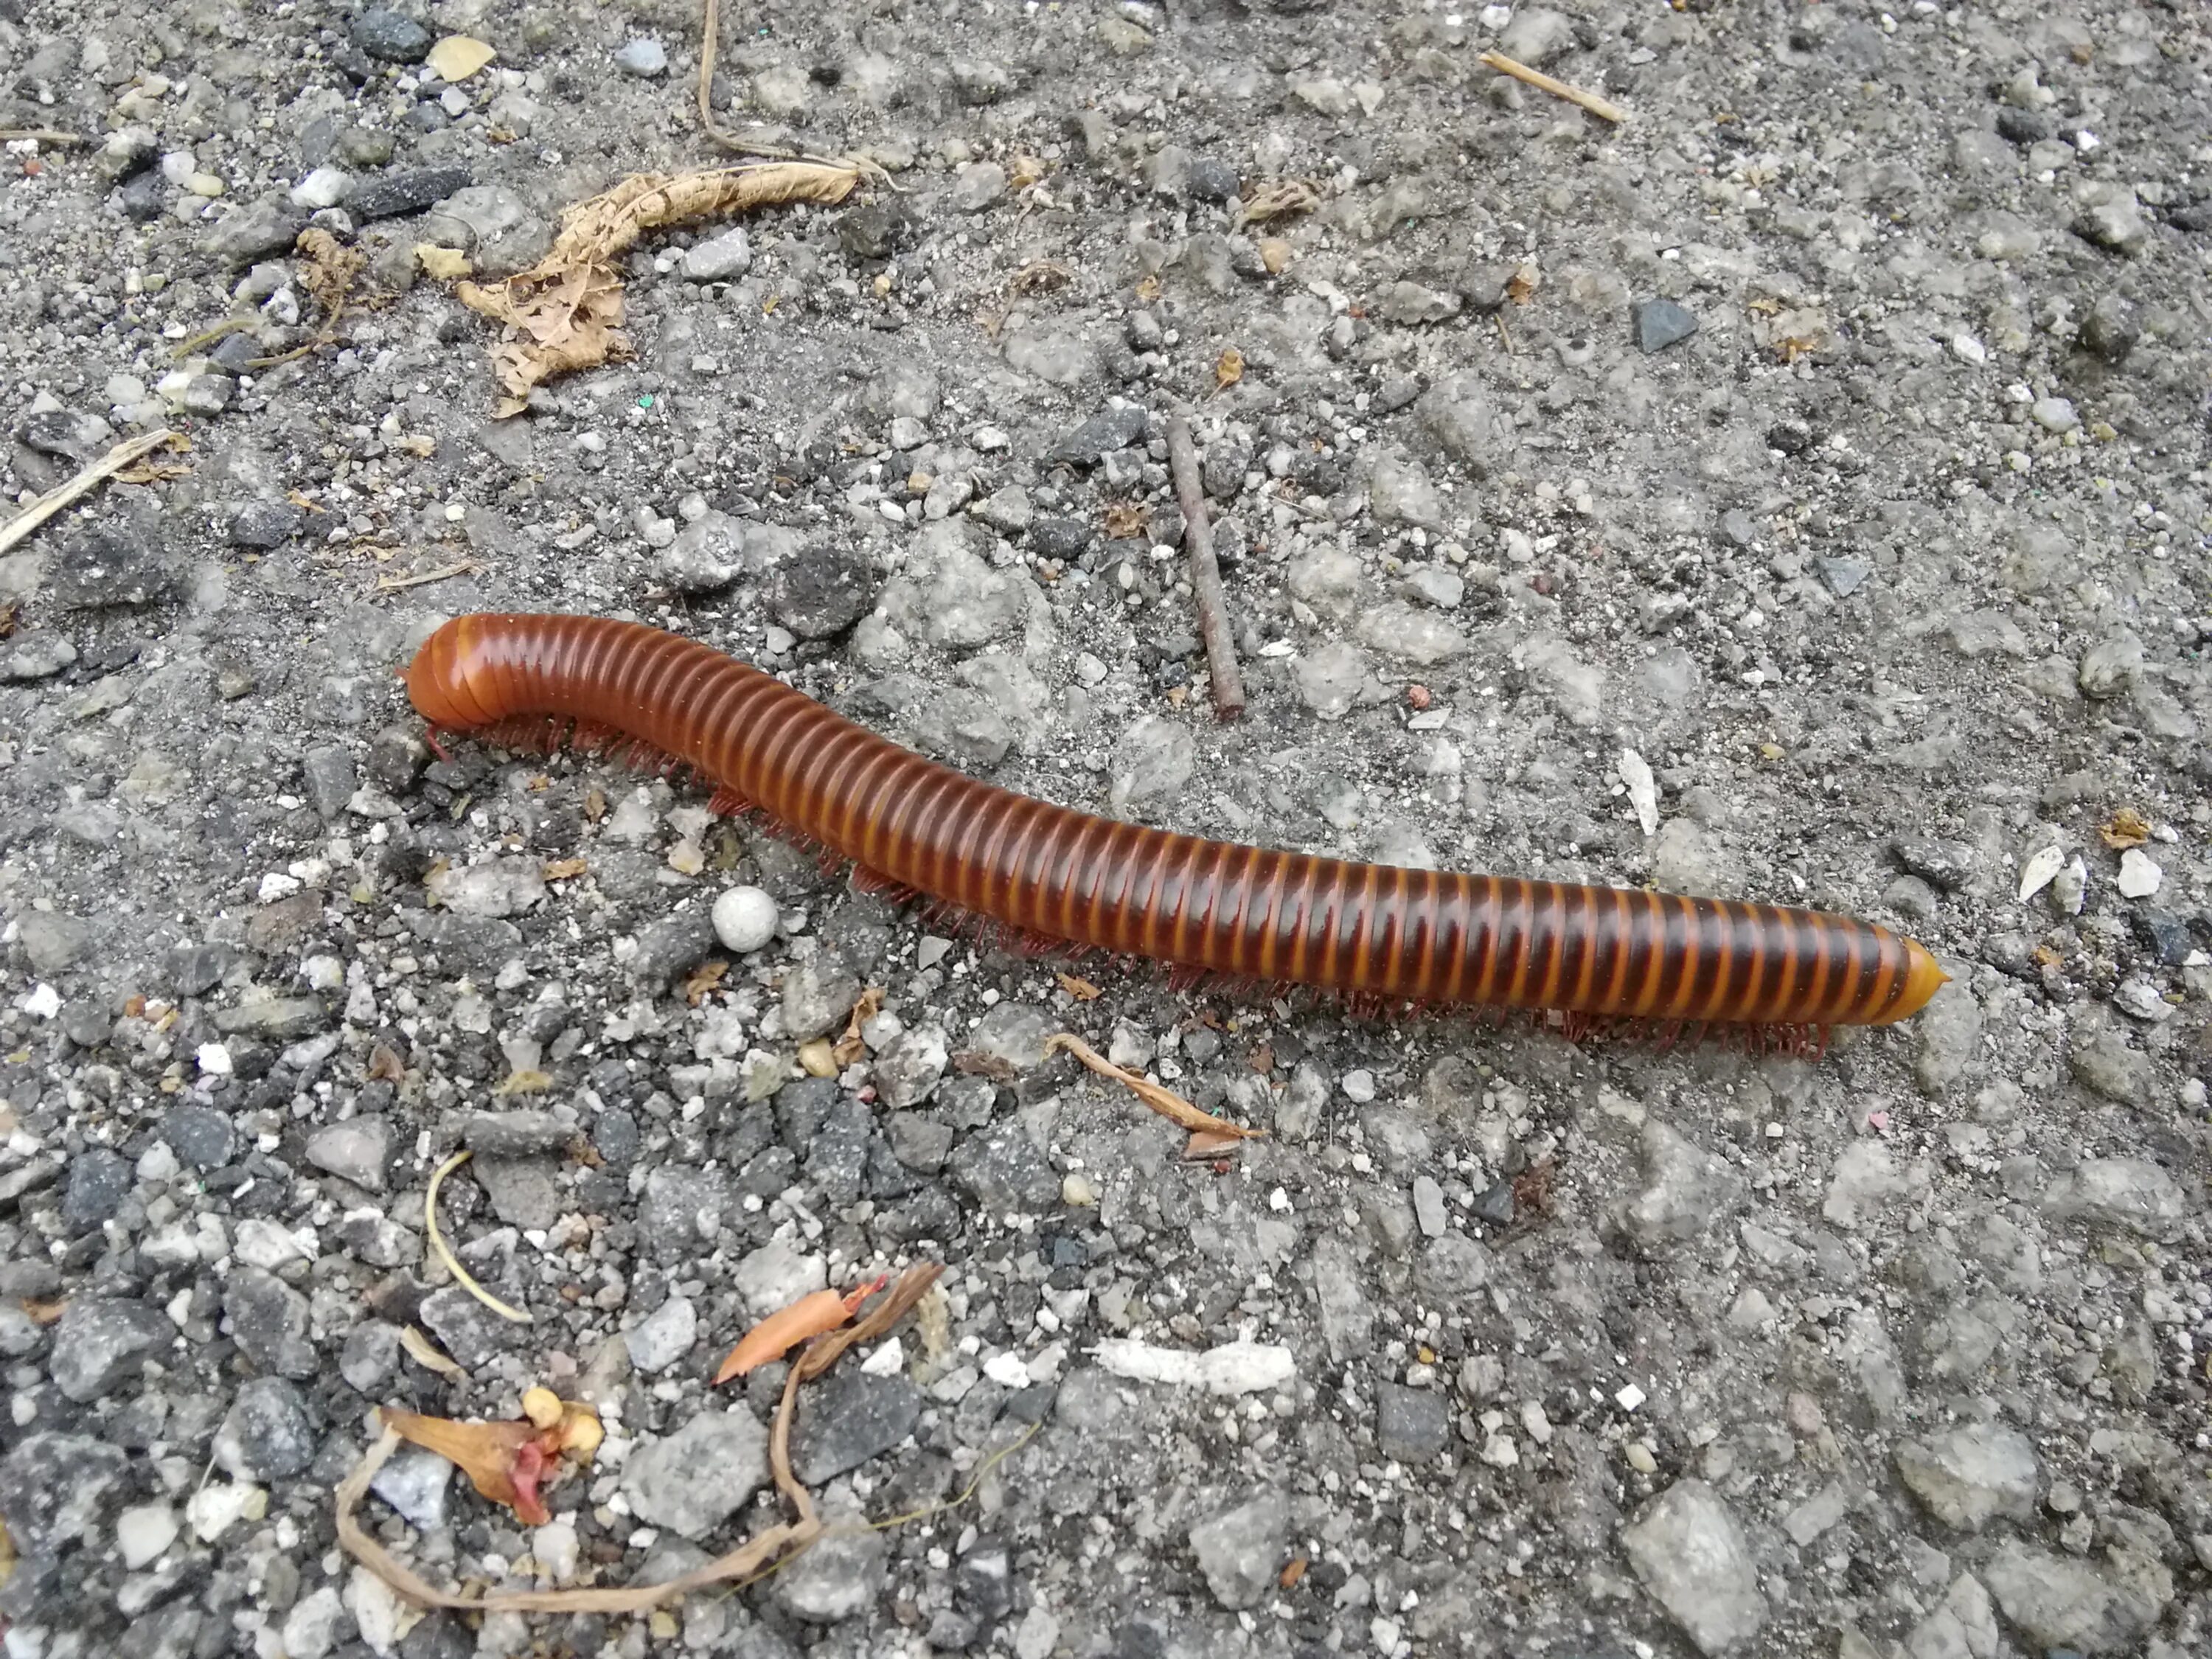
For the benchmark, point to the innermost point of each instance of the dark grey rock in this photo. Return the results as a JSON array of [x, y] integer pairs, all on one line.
[[57, 1490], [1660, 324], [517, 1133], [266, 525], [1212, 179], [1060, 538], [101, 1341], [522, 1190], [34, 655], [919, 1142], [111, 569], [847, 1418], [824, 591], [1110, 429], [269, 1321], [471, 1333], [99, 1180], [254, 231], [391, 36], [693, 1479], [1003, 1170], [330, 778], [2111, 329], [681, 1211], [818, 995], [200, 1136], [1241, 1550], [356, 1150], [676, 943], [397, 756], [409, 191], [269, 1433], [1411, 1424], [52, 943]]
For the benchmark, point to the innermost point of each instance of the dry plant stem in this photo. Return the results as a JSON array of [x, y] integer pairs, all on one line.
[[44, 135], [739, 1563], [1168, 1103], [83, 484], [1205, 575], [439, 1248], [444, 573], [1603, 109]]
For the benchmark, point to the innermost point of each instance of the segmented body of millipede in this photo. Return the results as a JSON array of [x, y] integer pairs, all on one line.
[[1374, 933]]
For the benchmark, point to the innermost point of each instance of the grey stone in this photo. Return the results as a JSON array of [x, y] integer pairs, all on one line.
[[1690, 1554], [823, 591], [1411, 1424], [522, 1190], [1346, 1310], [282, 1018], [719, 259], [1117, 426], [1963, 1625], [52, 943], [1965, 1476], [681, 1212], [266, 525], [99, 1342], [977, 185], [693, 1479], [1460, 415], [517, 1133], [817, 993], [414, 1482], [390, 35], [2103, 1061], [408, 191], [965, 727], [255, 232], [1947, 1038], [644, 56], [99, 1180], [673, 945], [471, 1333], [330, 778], [663, 1336], [200, 1136], [357, 1150], [1660, 324], [1536, 35], [1686, 1190], [269, 1321], [917, 1142], [34, 656], [57, 1490], [840, 1576], [369, 1356], [2058, 1602], [1003, 1170], [1152, 761], [2119, 1192], [1241, 1550], [847, 1418], [267, 1434]]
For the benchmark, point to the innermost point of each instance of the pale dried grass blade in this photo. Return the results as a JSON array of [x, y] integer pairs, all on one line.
[[1168, 1103], [1604, 109], [438, 1247], [422, 1353], [61, 494]]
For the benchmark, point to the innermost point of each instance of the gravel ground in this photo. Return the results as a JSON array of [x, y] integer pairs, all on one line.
[[1831, 435]]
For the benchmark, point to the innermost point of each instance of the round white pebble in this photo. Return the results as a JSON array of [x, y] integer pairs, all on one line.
[[744, 918]]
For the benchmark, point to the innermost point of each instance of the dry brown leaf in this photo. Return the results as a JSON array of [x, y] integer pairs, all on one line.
[[1293, 1570], [6, 617], [1206, 1144], [1521, 286], [1228, 368], [43, 1310], [442, 264], [330, 268], [1263, 1059], [782, 1331], [1125, 520], [2124, 829], [850, 1047], [564, 869], [427, 1354], [384, 1064], [1165, 1101], [1281, 198], [565, 312], [457, 57], [702, 981], [1081, 990], [1148, 288], [973, 1062], [528, 1082], [1025, 171], [506, 1462], [1040, 275]]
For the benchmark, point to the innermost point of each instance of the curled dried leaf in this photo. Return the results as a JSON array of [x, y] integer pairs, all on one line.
[[1228, 368], [1125, 520], [1081, 990], [2124, 829], [780, 1332], [427, 1354], [502, 1461]]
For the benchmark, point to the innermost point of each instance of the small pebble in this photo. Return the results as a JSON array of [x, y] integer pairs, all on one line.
[[745, 919]]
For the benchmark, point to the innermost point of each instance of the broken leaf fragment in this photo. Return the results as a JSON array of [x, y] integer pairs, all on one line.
[[812, 1316], [2124, 829], [509, 1463], [457, 57]]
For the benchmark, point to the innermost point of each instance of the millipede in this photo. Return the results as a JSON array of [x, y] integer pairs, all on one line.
[[1051, 877]]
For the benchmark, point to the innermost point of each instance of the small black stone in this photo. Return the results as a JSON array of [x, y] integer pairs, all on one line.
[[269, 1433], [1494, 1204], [673, 945], [145, 196], [847, 1418], [1212, 179], [822, 592], [265, 524], [330, 778], [1107, 430], [99, 1180], [109, 569], [2111, 330], [200, 1136], [1411, 1424], [2022, 126], [873, 231], [391, 36], [406, 192], [1060, 538], [1660, 324]]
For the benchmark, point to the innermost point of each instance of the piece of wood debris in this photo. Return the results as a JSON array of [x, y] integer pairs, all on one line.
[[61, 494], [1205, 573], [1604, 109]]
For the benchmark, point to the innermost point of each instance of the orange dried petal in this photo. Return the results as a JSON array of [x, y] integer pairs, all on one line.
[[782, 1331]]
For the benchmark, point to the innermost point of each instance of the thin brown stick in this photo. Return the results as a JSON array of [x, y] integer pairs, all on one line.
[[1205, 575], [444, 573], [44, 135], [83, 483], [1602, 108], [1165, 1101]]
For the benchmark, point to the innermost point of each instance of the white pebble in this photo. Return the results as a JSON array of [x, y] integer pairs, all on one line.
[[1359, 1086], [1629, 1398], [744, 918], [142, 1533], [2040, 871], [43, 1002], [215, 1060], [2140, 875]]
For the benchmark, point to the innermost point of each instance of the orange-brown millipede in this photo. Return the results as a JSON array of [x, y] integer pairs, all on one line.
[[1377, 934]]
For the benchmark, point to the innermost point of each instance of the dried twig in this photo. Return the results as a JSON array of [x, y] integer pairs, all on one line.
[[44, 135], [1168, 1103], [1604, 110], [83, 484], [438, 1243], [443, 573], [1205, 575]]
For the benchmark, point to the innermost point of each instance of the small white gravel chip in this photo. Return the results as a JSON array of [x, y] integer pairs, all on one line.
[[1630, 1397], [2040, 871], [144, 1532], [214, 1059], [744, 918], [1008, 1371], [42, 1002], [2140, 875]]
